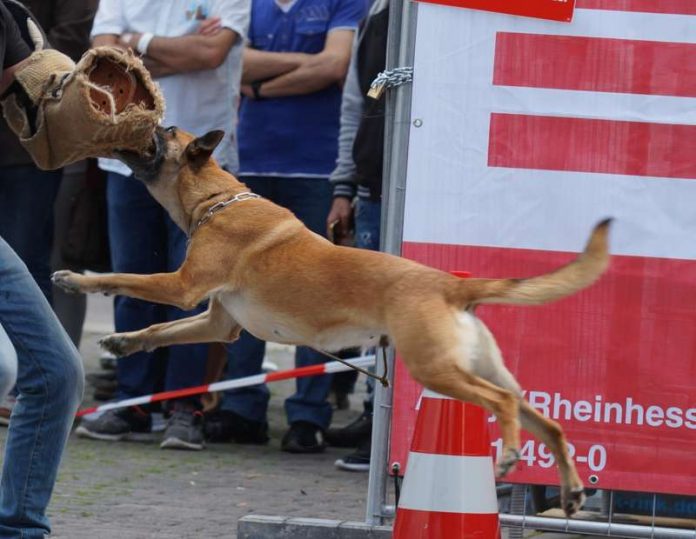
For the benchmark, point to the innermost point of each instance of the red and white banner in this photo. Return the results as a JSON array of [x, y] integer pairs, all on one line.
[[531, 132]]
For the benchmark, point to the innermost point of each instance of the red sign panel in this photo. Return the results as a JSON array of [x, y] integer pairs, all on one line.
[[595, 369], [555, 10]]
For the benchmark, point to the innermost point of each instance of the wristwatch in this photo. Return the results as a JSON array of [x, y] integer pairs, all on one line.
[[256, 88]]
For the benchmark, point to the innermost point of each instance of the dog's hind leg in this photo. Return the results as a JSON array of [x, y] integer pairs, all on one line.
[[502, 403], [550, 432], [442, 349], [214, 325], [544, 429]]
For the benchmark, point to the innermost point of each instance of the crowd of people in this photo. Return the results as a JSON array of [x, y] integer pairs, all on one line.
[[287, 81]]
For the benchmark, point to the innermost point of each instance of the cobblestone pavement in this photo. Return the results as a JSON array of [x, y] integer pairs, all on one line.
[[129, 490]]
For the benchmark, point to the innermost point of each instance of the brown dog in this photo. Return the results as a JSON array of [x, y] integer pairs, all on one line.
[[262, 270]]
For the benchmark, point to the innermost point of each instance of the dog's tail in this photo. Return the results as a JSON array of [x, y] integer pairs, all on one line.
[[578, 274]]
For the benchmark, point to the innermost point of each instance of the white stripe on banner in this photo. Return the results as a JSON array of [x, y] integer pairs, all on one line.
[[654, 218], [451, 484], [600, 105], [454, 197]]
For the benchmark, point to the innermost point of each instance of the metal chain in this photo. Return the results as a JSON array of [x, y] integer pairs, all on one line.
[[389, 79], [221, 206]]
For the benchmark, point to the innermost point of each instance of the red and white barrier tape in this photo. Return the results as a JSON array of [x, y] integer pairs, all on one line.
[[301, 372]]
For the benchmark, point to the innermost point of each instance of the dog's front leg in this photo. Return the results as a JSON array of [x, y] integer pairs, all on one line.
[[214, 325], [168, 288]]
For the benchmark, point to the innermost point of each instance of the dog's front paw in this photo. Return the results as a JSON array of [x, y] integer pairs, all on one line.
[[507, 462], [572, 499], [120, 344], [67, 280]]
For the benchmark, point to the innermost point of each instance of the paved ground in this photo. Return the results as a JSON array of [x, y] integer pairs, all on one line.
[[136, 490]]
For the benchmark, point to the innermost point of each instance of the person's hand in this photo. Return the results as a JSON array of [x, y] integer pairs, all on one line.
[[338, 223], [209, 26], [129, 40], [246, 91]]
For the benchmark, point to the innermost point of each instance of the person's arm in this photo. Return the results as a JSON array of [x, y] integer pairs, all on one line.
[[319, 71], [8, 76], [343, 176], [264, 65], [69, 31], [13, 49], [193, 52], [109, 24]]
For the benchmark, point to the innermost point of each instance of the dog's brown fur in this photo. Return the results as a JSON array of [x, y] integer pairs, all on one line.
[[262, 270]]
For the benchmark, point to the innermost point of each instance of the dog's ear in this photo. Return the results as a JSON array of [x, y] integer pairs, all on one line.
[[199, 149]]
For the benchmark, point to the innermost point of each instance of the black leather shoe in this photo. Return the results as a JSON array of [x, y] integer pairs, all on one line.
[[303, 437], [226, 426], [353, 434]]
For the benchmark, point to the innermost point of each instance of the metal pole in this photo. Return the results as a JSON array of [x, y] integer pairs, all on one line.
[[400, 52], [610, 529]]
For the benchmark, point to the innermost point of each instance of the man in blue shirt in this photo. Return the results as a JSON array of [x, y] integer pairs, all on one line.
[[294, 65]]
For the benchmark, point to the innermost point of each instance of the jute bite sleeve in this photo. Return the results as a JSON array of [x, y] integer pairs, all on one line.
[[64, 112]]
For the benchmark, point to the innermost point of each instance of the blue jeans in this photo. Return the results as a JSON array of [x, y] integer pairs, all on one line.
[[143, 239], [368, 215], [309, 199], [27, 195], [50, 382]]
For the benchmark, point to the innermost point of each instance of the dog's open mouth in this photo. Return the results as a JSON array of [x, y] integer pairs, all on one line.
[[145, 166]]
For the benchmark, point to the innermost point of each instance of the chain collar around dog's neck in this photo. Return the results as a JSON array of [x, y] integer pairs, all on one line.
[[208, 215]]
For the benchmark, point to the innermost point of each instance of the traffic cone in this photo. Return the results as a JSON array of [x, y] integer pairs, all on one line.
[[449, 487]]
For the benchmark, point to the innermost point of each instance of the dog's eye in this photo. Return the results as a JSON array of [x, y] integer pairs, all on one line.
[[171, 130]]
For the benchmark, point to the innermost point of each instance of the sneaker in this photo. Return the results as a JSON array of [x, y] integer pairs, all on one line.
[[351, 435], [132, 424], [108, 361], [358, 460], [104, 384], [303, 437], [226, 426], [6, 410], [184, 431]]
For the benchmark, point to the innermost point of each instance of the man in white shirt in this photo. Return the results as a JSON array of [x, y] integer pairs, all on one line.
[[194, 50]]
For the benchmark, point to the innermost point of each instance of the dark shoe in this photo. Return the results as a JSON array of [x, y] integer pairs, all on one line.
[[106, 379], [133, 424], [342, 400], [184, 431], [303, 437], [353, 434], [358, 460], [108, 361], [103, 396], [226, 426]]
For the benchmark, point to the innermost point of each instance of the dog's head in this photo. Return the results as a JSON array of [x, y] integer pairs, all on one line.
[[173, 152], [172, 168]]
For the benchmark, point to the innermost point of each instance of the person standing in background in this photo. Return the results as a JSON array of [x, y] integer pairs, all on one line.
[[359, 172], [194, 50], [295, 62]]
